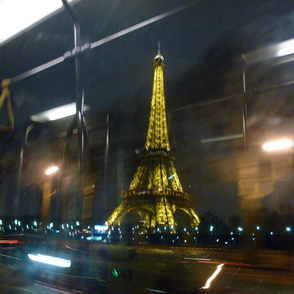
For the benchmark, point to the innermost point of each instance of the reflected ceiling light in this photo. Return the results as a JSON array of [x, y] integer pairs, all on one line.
[[286, 51], [56, 113], [51, 170], [277, 145], [19, 15], [270, 52]]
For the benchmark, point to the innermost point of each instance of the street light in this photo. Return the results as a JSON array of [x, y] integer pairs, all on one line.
[[277, 145], [51, 170], [43, 117]]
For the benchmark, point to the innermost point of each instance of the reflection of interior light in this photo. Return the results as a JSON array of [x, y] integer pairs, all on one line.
[[56, 113], [213, 276], [19, 15], [270, 52], [50, 260], [277, 145], [51, 170], [285, 48]]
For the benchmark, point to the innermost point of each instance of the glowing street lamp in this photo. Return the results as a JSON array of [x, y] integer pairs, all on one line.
[[277, 145], [51, 170], [43, 117]]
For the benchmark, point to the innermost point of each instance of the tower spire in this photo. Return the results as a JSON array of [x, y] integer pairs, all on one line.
[[157, 135]]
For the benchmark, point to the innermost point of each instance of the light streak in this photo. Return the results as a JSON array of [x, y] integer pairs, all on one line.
[[139, 25], [9, 242], [194, 258], [50, 260], [213, 276], [171, 176], [225, 263], [224, 138], [154, 290]]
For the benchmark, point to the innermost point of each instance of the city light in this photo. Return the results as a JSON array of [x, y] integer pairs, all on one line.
[[277, 145], [19, 15], [51, 170]]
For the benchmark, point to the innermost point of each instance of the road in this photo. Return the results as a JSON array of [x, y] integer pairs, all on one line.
[[120, 269]]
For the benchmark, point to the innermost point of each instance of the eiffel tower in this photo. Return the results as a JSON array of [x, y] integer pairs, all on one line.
[[155, 202]]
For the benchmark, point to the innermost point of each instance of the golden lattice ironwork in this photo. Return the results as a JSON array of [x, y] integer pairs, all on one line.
[[157, 135], [155, 195]]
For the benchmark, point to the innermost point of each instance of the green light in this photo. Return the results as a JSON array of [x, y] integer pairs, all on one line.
[[115, 273]]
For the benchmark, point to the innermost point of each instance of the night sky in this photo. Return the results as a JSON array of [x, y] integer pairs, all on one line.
[[202, 45]]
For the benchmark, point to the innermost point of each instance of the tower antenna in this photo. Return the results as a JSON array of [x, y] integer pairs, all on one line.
[[158, 48]]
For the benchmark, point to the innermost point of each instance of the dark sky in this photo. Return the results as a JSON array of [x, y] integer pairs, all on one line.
[[202, 45], [196, 42]]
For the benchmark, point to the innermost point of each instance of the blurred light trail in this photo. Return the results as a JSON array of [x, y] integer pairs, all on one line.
[[224, 138], [213, 276], [50, 260], [277, 145], [155, 291], [8, 241], [225, 263]]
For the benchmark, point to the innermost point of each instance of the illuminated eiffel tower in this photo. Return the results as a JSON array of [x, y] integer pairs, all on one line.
[[155, 202]]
